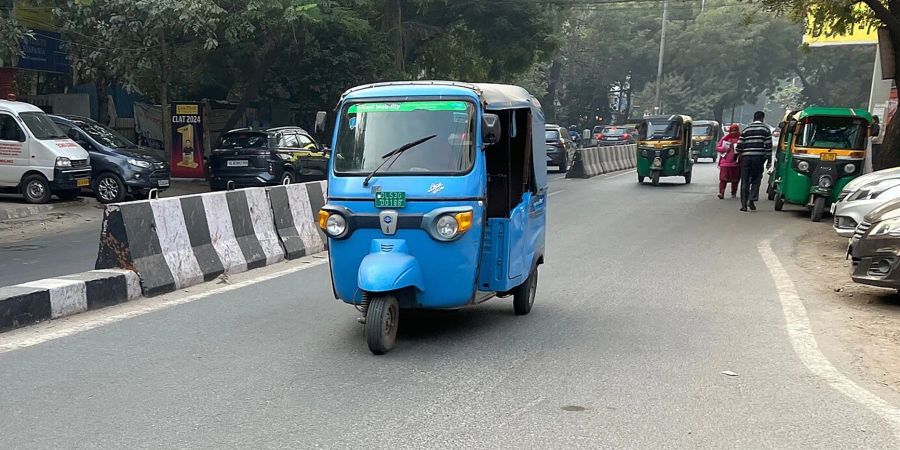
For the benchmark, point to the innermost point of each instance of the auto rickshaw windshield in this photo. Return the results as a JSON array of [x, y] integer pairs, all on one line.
[[833, 133], [367, 131], [702, 130], [662, 130]]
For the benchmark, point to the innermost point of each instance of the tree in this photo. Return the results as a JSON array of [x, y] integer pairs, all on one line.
[[11, 35], [150, 46], [842, 17]]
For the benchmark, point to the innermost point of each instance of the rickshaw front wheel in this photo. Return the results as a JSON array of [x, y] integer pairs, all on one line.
[[770, 193], [779, 202], [523, 299], [382, 320], [818, 209], [654, 178]]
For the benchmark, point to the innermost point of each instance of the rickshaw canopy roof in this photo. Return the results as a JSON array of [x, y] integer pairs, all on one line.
[[493, 96], [670, 118], [706, 122], [826, 111]]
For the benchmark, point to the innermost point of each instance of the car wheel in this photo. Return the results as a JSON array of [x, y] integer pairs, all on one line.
[[564, 164], [287, 177], [36, 189], [69, 195], [109, 188]]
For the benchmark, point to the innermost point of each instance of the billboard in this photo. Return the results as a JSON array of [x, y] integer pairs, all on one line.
[[187, 140], [820, 34]]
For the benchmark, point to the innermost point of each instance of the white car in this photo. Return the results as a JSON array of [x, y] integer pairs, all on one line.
[[863, 195]]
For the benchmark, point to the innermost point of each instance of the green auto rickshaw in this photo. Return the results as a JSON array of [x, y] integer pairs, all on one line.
[[705, 136], [664, 148], [820, 150]]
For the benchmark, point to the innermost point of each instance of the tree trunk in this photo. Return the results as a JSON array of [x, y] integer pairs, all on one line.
[[718, 113], [102, 87], [251, 89], [553, 77], [165, 109]]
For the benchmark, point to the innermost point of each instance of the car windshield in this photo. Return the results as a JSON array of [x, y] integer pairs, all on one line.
[[660, 130], [104, 135], [702, 130], [234, 141], [614, 131], [42, 126], [832, 132], [551, 135], [367, 131]]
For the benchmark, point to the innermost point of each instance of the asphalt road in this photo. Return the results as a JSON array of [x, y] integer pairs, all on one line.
[[33, 258], [648, 295]]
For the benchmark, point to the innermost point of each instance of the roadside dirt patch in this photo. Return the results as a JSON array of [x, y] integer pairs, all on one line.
[[865, 319], [58, 220]]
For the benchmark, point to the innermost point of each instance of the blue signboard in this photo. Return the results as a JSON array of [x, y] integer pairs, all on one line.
[[44, 53]]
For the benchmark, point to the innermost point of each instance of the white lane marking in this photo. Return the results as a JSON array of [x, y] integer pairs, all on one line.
[[48, 331], [620, 174], [556, 192], [807, 349]]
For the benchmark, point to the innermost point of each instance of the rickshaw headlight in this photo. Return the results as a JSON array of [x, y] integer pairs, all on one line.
[[447, 227], [671, 152], [335, 225], [825, 182], [850, 168], [644, 153], [803, 166]]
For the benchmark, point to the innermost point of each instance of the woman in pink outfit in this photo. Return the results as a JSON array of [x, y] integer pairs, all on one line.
[[729, 167]]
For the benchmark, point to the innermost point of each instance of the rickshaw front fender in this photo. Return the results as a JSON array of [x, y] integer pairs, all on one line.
[[389, 268]]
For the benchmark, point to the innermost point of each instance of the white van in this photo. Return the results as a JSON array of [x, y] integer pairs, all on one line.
[[36, 158]]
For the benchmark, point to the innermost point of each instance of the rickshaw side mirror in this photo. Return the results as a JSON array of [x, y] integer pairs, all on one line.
[[875, 129], [321, 116], [490, 129], [781, 124]]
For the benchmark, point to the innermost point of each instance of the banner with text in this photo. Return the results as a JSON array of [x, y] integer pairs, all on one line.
[[187, 140]]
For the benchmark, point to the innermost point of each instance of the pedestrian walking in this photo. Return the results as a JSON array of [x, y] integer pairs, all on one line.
[[755, 154], [729, 167]]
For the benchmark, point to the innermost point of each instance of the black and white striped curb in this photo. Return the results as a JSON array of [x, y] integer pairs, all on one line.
[[178, 242], [593, 161], [52, 298]]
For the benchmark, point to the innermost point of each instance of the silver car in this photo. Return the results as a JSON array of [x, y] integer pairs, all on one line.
[[861, 196]]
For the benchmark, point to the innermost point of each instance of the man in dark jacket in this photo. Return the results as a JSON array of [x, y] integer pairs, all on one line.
[[755, 150]]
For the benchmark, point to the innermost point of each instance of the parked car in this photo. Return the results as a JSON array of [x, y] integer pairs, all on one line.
[[616, 135], [861, 196], [119, 167], [37, 159], [560, 148], [875, 247], [250, 157]]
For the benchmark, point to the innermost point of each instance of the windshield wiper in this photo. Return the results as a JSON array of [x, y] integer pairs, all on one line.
[[396, 152]]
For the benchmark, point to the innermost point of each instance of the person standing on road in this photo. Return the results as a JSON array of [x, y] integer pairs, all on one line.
[[729, 168], [755, 154]]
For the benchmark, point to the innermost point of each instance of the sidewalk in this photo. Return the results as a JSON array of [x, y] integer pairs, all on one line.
[[14, 207]]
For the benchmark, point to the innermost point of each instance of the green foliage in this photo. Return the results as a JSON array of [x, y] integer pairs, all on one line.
[[11, 35]]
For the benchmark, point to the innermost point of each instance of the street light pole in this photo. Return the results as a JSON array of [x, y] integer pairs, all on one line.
[[662, 51]]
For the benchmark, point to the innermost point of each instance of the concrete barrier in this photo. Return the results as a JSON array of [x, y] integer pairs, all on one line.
[[593, 161], [178, 242], [52, 298]]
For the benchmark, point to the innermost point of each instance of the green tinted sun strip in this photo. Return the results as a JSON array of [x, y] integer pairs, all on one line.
[[407, 107]]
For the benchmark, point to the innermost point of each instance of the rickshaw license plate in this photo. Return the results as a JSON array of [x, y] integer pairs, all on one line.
[[828, 156], [82, 182], [390, 199]]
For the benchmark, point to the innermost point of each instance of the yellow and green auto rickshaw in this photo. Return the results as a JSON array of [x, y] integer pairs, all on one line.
[[664, 148], [705, 136], [820, 150]]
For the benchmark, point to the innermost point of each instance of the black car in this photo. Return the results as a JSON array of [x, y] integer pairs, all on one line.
[[119, 167], [560, 147], [263, 157], [616, 135]]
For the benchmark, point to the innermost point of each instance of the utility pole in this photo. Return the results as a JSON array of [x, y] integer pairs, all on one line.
[[662, 52], [702, 6]]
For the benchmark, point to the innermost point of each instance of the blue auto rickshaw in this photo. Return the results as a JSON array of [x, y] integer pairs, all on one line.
[[437, 199]]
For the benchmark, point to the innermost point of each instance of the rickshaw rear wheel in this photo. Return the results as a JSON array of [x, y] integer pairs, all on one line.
[[654, 178], [641, 179], [770, 193], [687, 177], [818, 209], [779, 202], [382, 321], [523, 299]]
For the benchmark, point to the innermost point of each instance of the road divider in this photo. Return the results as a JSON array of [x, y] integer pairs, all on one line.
[[52, 298], [592, 161], [178, 242]]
